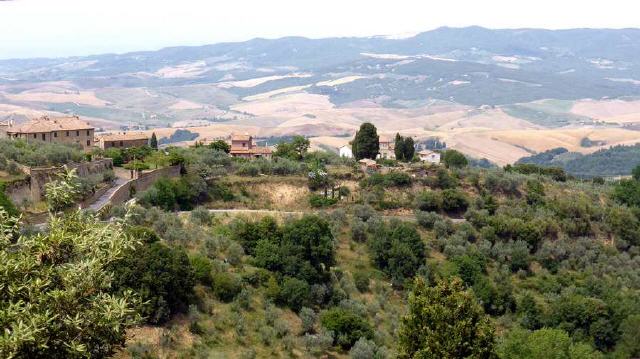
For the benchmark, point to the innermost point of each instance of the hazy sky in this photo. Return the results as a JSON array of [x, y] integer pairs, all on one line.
[[50, 28]]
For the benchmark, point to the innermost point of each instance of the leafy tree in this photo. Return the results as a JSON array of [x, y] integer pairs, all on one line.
[[56, 299], [398, 250], [366, 143], [162, 275], [153, 142], [62, 193], [629, 345], [116, 156], [445, 322], [6, 204], [627, 192], [294, 293], [404, 148], [346, 326], [542, 344], [454, 159], [303, 249], [295, 150], [454, 201], [531, 313], [220, 145]]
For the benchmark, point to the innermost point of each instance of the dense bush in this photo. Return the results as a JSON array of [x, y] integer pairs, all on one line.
[[391, 179], [294, 293], [347, 326], [454, 201], [163, 277], [226, 286], [320, 201], [430, 201], [398, 250]]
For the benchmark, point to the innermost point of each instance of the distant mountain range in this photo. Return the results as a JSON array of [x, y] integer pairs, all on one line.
[[472, 66]]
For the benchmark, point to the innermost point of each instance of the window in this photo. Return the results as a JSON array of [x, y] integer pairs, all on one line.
[[43, 137], [121, 144], [55, 134], [244, 144], [35, 135], [67, 133], [77, 133], [88, 133], [88, 142]]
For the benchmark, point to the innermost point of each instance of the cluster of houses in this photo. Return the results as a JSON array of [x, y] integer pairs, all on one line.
[[73, 130], [387, 151]]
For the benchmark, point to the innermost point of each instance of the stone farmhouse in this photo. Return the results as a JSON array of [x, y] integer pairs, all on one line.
[[244, 146], [66, 130], [121, 140], [429, 156]]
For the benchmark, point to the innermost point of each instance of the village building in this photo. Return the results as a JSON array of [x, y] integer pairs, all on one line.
[[387, 148], [65, 130], [244, 146], [429, 156], [4, 126], [122, 140], [345, 151]]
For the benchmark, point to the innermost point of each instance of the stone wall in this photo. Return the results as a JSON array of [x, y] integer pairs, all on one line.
[[40, 176], [19, 191], [142, 183]]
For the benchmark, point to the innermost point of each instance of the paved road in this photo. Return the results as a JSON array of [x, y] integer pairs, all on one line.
[[102, 201]]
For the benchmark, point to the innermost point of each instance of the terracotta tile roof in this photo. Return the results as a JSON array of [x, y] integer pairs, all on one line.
[[50, 124], [384, 139], [251, 151], [122, 136], [245, 137]]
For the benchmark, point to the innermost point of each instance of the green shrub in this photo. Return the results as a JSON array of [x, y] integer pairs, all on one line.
[[454, 201], [427, 219], [294, 293], [361, 280], [163, 276], [319, 201], [6, 204], [202, 268], [226, 286], [429, 201], [347, 326]]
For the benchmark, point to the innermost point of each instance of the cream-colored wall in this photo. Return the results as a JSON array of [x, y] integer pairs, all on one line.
[[83, 138]]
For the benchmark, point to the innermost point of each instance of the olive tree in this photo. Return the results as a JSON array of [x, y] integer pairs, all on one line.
[[56, 290]]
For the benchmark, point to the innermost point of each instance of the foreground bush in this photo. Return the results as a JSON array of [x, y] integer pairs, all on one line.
[[162, 276], [55, 290]]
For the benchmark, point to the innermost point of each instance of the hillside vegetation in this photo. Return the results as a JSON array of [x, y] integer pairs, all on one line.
[[615, 161], [524, 264]]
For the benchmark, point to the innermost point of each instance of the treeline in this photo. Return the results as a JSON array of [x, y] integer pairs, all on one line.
[[614, 161]]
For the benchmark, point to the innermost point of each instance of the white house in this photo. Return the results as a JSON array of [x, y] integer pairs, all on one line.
[[345, 151], [429, 156]]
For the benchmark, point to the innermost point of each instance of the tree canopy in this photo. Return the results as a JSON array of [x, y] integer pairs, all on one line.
[[445, 321], [366, 143]]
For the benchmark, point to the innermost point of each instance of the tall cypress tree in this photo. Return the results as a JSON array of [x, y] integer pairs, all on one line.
[[409, 149], [399, 147], [366, 143], [153, 142]]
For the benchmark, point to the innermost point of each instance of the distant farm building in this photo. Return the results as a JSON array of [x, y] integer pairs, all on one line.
[[244, 146], [67, 130], [387, 148], [121, 140], [429, 156]]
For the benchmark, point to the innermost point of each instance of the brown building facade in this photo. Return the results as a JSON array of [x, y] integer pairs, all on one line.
[[65, 130], [244, 146], [121, 140]]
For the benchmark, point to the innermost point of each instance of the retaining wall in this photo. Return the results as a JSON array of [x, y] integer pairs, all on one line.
[[142, 183]]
